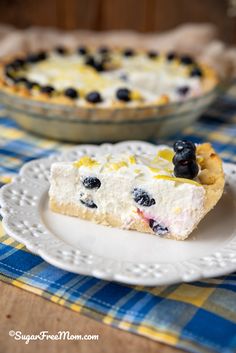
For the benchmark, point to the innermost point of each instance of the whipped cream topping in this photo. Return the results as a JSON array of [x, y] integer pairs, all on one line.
[[151, 78], [167, 204]]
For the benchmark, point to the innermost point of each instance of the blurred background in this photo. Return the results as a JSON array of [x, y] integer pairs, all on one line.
[[139, 15], [205, 29]]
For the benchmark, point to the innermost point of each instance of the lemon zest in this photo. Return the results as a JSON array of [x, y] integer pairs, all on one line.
[[177, 180], [85, 161]]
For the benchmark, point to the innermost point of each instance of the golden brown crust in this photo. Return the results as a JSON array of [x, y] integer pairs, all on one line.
[[211, 177]]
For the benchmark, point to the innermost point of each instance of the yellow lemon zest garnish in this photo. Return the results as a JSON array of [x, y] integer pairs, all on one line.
[[166, 154], [177, 210], [164, 99], [178, 180], [85, 161], [136, 95], [154, 170], [137, 171], [132, 159], [118, 165]]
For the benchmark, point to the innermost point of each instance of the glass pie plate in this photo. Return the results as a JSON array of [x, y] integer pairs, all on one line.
[[99, 124]]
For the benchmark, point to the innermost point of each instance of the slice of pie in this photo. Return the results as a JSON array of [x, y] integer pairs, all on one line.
[[165, 193]]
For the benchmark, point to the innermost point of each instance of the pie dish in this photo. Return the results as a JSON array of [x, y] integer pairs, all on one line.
[[165, 193]]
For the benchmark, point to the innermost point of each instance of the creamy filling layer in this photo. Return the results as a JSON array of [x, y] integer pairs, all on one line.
[[149, 79], [131, 188]]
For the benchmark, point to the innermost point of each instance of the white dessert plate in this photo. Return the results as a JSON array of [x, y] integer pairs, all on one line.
[[113, 254]]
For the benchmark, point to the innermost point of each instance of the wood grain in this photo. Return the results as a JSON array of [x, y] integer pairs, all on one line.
[[30, 314], [141, 15]]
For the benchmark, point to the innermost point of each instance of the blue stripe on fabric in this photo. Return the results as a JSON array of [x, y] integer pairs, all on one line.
[[26, 260], [210, 329]]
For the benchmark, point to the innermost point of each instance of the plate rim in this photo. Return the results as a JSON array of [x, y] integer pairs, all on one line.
[[20, 209]]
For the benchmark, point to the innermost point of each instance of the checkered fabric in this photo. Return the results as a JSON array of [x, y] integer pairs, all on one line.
[[198, 317]]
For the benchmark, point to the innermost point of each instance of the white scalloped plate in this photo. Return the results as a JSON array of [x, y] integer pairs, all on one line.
[[113, 254]]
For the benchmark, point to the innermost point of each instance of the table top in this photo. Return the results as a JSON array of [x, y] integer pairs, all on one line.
[[31, 314]]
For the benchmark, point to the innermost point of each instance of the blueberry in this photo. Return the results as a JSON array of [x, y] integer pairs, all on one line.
[[18, 63], [32, 84], [152, 54], [181, 144], [182, 91], [90, 60], [157, 227], [124, 77], [94, 97], [91, 183], [82, 50], [9, 75], [88, 203], [71, 93], [98, 66], [103, 50], [32, 58], [47, 89], [196, 72], [42, 55], [21, 80], [60, 50], [186, 169], [186, 154], [186, 60], [123, 94], [171, 56], [9, 67], [128, 52], [142, 198]]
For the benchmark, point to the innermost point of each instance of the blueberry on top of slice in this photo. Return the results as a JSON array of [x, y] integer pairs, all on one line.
[[186, 154], [186, 169], [123, 94], [179, 145], [47, 89], [142, 198], [94, 97], [185, 159], [82, 50], [196, 72], [128, 52], [91, 183], [186, 60], [71, 93]]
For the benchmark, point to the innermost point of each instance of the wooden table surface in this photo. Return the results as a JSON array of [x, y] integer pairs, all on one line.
[[30, 314]]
